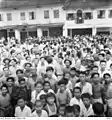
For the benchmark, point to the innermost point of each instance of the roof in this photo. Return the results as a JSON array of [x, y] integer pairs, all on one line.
[[26, 3], [83, 4]]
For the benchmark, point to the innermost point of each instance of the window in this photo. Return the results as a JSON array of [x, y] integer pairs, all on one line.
[[110, 14], [88, 16], [9, 17], [101, 14], [70, 16], [46, 14], [1, 17], [56, 13], [22, 15], [32, 15]]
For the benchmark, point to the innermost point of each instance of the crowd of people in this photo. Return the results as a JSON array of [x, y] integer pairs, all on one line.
[[56, 77]]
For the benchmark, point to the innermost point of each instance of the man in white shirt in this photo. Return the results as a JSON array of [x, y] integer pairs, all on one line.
[[76, 100], [38, 110], [22, 110], [85, 86]]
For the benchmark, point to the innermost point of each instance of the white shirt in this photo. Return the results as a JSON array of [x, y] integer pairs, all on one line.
[[75, 101], [88, 112], [44, 114], [25, 113], [87, 88], [34, 97]]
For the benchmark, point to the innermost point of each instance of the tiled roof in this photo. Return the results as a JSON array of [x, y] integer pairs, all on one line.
[[24, 3], [75, 4]]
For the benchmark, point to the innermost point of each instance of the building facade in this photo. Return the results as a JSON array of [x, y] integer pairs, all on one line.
[[55, 18]]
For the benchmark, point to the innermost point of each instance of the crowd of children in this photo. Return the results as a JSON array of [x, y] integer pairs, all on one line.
[[56, 77]]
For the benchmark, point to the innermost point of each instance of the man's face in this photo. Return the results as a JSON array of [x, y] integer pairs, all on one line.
[[38, 107], [6, 71], [103, 65], [82, 77], [77, 93], [21, 103], [22, 84]]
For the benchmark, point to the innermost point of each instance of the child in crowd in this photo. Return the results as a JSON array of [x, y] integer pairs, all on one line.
[[22, 110], [63, 96], [76, 109], [51, 106], [39, 112], [61, 110], [69, 111], [87, 110]]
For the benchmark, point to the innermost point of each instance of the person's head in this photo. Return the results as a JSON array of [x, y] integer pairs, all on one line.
[[73, 71], [98, 109], [111, 66], [38, 86], [69, 111], [21, 102], [6, 61], [47, 86], [67, 63], [10, 81], [49, 71], [22, 82], [50, 98], [108, 55], [4, 89], [82, 76], [95, 77], [60, 59], [27, 66], [6, 71], [95, 68], [38, 106], [77, 92], [107, 77], [103, 64], [28, 58], [19, 73], [67, 75], [62, 84], [101, 56], [76, 110], [109, 112], [86, 98], [13, 62], [43, 99], [61, 109]]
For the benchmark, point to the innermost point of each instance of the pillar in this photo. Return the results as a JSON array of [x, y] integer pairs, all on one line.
[[39, 32], [65, 32], [71, 33], [17, 34], [94, 31]]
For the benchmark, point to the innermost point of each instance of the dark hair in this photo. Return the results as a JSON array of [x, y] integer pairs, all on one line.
[[63, 81], [19, 70], [106, 74], [76, 88], [76, 107], [4, 85], [95, 66], [38, 82], [102, 61], [14, 60], [98, 108], [10, 78], [21, 79], [43, 96], [68, 109], [49, 69], [27, 64], [86, 95], [93, 74], [83, 72], [73, 69], [23, 98], [46, 82]]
